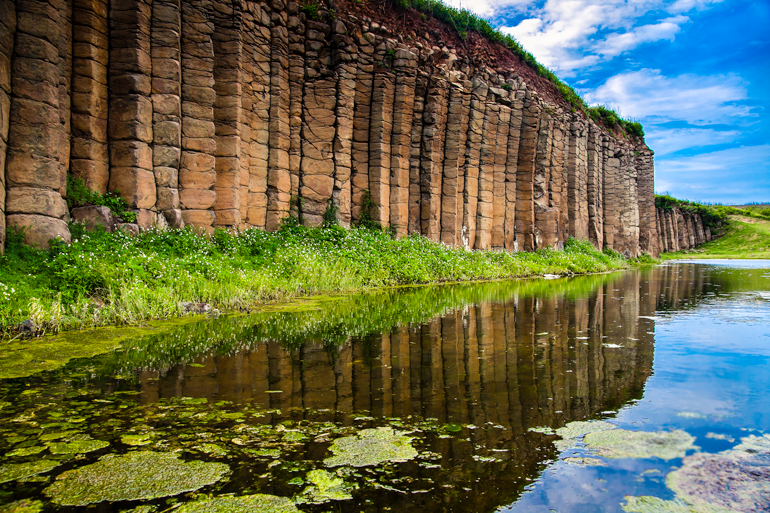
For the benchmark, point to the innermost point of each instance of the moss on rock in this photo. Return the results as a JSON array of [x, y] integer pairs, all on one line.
[[371, 447], [133, 476], [621, 443], [13, 471]]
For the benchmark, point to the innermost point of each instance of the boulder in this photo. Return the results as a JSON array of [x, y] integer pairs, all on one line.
[[93, 216]]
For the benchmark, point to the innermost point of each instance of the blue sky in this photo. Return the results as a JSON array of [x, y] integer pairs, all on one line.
[[696, 73]]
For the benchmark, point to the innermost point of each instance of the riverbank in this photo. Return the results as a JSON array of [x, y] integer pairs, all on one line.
[[106, 279], [744, 237]]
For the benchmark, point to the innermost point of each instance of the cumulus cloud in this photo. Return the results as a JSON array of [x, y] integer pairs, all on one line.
[[649, 95], [667, 141]]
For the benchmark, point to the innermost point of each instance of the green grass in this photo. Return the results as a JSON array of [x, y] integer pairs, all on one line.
[[115, 279], [743, 238]]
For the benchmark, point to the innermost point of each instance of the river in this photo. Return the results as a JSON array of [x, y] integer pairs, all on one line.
[[643, 390]]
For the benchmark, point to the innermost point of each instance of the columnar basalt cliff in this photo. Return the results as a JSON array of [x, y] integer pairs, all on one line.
[[679, 230], [215, 113]]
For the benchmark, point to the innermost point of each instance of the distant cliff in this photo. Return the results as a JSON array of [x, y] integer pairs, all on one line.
[[216, 113]]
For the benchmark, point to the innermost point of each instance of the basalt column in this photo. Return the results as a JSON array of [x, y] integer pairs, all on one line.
[[525, 173], [420, 87], [405, 63], [511, 166], [7, 29], [380, 133], [360, 171], [297, 32], [498, 186], [228, 111], [89, 152], [486, 176], [472, 161], [197, 175], [558, 180], [278, 175], [610, 166], [454, 151], [648, 231], [166, 107], [36, 135], [432, 155], [595, 182], [131, 111], [546, 219], [346, 55], [577, 167], [318, 125]]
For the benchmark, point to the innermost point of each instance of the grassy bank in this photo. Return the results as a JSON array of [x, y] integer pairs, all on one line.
[[744, 237], [114, 279]]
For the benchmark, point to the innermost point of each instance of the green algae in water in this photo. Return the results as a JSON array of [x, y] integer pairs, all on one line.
[[371, 447], [648, 504], [58, 435], [248, 503], [133, 476], [736, 479], [542, 429], [294, 437], [621, 443], [583, 427], [76, 446], [212, 449], [13, 471], [22, 506], [326, 487], [581, 461], [26, 451], [452, 428], [136, 440]]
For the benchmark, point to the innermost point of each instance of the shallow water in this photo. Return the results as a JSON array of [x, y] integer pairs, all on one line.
[[470, 386]]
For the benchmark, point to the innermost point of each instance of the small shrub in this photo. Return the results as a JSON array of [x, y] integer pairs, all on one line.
[[310, 8], [78, 195]]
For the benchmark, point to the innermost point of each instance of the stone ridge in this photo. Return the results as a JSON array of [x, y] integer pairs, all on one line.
[[215, 113], [679, 230]]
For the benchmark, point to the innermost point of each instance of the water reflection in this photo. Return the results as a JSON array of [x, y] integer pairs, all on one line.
[[467, 370]]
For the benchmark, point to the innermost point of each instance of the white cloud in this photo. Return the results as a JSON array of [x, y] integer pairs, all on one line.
[[733, 175], [655, 98], [667, 141], [617, 43]]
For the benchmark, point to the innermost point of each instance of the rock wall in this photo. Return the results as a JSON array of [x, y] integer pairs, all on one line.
[[216, 113], [679, 230]]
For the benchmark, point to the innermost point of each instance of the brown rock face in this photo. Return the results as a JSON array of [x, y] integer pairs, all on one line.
[[217, 113]]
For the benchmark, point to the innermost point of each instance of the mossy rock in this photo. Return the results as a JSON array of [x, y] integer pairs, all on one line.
[[133, 476], [76, 446], [247, 503], [621, 443], [371, 447], [326, 487], [136, 440], [13, 471], [22, 506], [26, 451]]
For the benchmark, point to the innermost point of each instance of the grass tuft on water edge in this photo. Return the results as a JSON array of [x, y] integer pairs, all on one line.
[[116, 279]]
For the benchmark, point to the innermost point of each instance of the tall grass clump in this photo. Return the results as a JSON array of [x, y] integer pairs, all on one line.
[[113, 278]]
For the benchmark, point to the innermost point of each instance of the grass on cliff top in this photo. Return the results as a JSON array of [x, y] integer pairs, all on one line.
[[113, 278], [744, 237]]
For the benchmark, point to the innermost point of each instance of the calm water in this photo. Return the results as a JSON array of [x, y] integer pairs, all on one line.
[[468, 384]]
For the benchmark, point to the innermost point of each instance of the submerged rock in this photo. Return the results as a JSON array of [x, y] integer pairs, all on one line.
[[248, 503], [326, 487], [13, 471], [737, 479], [621, 443], [133, 476], [371, 447]]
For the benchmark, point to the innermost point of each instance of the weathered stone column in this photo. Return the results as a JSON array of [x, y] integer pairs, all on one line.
[[595, 196], [130, 116], [511, 167], [33, 170], [257, 89], [498, 188], [228, 111], [7, 31], [318, 125], [648, 235], [577, 166], [486, 175], [360, 171], [89, 151], [525, 173], [405, 64], [278, 175], [454, 146], [420, 88], [610, 166], [431, 162], [346, 56], [546, 219], [197, 175], [167, 107], [380, 133], [297, 34]]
